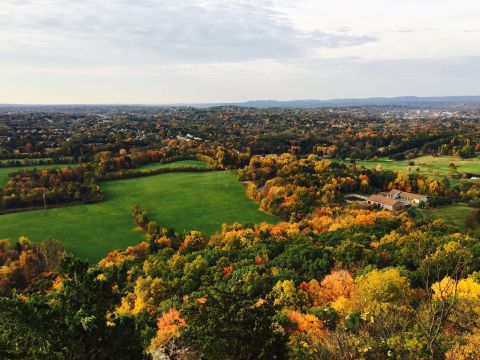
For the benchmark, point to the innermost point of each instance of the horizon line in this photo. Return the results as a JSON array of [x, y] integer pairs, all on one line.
[[219, 103]]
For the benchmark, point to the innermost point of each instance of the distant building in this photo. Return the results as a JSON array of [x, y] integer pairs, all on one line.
[[406, 196], [386, 203]]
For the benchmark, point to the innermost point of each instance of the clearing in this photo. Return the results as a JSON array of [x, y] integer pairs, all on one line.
[[184, 201], [456, 214], [176, 164]]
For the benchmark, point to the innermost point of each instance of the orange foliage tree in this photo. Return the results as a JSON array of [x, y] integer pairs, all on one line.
[[168, 327], [336, 285]]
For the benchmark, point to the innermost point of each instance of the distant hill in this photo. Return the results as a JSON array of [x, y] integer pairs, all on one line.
[[441, 101], [379, 101]]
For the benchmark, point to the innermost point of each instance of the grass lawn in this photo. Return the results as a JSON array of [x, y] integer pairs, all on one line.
[[436, 167], [154, 166], [192, 201], [456, 214], [5, 171], [23, 160]]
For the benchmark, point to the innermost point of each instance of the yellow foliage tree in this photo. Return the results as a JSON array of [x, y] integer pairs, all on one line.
[[148, 292], [287, 295], [467, 289], [382, 286], [467, 351]]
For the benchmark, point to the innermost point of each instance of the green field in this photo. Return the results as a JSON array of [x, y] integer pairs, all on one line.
[[23, 160], [192, 201], [436, 167], [185, 163], [457, 214], [5, 171]]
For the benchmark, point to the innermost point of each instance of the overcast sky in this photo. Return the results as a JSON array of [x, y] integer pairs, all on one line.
[[171, 51]]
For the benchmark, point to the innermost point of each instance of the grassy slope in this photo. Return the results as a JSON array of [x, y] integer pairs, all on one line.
[[178, 200], [23, 160], [5, 171], [456, 214], [153, 166], [436, 167]]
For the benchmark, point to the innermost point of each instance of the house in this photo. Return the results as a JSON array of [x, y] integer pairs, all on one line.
[[386, 203], [406, 196]]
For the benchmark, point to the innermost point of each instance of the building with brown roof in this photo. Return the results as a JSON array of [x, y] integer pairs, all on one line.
[[406, 196], [386, 203]]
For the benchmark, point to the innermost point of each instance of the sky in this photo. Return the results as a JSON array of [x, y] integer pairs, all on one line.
[[204, 51]]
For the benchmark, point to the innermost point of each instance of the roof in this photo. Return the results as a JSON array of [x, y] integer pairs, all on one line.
[[412, 196], [394, 192], [404, 194], [384, 200]]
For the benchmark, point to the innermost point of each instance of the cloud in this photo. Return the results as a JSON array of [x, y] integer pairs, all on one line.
[[228, 50], [402, 30], [143, 31]]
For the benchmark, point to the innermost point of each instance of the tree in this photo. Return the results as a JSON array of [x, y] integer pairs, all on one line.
[[467, 350], [169, 325], [231, 325], [309, 260], [69, 323], [147, 294], [383, 286], [349, 253], [336, 285], [153, 230], [193, 241], [285, 294]]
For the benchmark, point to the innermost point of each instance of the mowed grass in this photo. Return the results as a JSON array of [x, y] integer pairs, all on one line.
[[23, 160], [5, 171], [456, 214], [436, 167], [184, 201], [184, 163]]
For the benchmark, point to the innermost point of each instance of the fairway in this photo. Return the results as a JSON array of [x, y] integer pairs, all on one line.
[[433, 166], [456, 214], [193, 201]]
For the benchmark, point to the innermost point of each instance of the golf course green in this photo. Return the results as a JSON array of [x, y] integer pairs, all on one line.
[[436, 167], [183, 201]]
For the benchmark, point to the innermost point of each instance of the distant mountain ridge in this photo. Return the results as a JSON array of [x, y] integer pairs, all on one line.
[[434, 101], [379, 101]]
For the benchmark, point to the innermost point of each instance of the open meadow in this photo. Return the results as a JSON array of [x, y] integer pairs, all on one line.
[[457, 214], [176, 164], [30, 160], [184, 201]]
